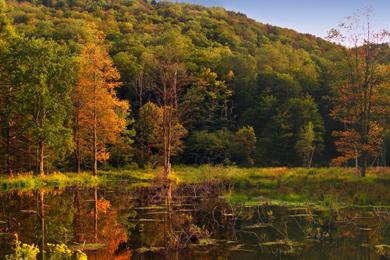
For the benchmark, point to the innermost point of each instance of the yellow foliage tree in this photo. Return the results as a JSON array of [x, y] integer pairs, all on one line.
[[99, 116]]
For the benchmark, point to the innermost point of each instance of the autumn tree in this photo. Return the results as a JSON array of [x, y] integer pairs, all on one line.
[[356, 106], [99, 116]]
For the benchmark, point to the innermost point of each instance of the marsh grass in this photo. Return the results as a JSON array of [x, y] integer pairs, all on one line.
[[29, 181], [328, 187]]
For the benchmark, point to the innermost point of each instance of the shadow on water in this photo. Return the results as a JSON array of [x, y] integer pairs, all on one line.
[[164, 221]]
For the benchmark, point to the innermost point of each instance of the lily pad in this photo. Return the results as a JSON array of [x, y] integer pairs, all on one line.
[[302, 215], [207, 241], [256, 226], [155, 213], [143, 250], [29, 211], [145, 220], [150, 208], [88, 246]]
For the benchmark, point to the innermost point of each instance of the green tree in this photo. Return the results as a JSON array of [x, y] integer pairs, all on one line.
[[206, 104], [150, 135], [8, 106], [148, 132], [44, 76], [122, 152], [209, 147], [305, 146], [244, 146], [6, 29]]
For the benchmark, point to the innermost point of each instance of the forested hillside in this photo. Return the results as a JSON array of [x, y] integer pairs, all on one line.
[[234, 91]]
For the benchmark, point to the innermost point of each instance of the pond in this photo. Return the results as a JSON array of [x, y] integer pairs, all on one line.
[[187, 222]]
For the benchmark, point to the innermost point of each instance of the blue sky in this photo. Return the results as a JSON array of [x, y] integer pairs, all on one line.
[[307, 16]]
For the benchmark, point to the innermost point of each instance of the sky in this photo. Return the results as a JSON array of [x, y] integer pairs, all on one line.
[[307, 16]]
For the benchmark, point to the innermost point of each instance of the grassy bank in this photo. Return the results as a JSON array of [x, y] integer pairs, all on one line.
[[248, 176], [332, 187], [28, 181]]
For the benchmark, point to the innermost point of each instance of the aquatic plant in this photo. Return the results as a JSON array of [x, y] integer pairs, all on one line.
[[62, 251], [383, 250], [59, 251], [23, 251]]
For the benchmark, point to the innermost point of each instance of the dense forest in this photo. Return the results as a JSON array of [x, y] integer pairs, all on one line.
[[121, 83]]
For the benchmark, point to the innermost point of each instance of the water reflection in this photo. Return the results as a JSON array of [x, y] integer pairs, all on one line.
[[41, 217], [179, 222]]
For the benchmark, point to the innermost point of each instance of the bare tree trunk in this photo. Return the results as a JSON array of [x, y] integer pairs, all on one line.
[[384, 154], [165, 132], [168, 228], [76, 225], [42, 217], [8, 150], [140, 91], [40, 157], [95, 214], [367, 101], [356, 162], [170, 104], [311, 157], [8, 126], [76, 140], [169, 141], [77, 158], [364, 164], [94, 139]]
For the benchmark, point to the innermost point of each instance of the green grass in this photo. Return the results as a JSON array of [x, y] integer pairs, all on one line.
[[329, 187], [275, 176], [28, 181], [31, 182]]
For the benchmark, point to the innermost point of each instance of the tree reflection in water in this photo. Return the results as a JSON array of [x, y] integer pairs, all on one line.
[[41, 217], [186, 221]]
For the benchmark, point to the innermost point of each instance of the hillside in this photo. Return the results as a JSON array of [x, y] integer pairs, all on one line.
[[274, 79]]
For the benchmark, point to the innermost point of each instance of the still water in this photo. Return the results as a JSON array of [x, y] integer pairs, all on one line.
[[186, 222]]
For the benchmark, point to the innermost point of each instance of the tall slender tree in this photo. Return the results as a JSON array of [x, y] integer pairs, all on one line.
[[7, 108], [305, 145], [168, 76], [150, 132], [99, 117], [355, 106], [44, 76]]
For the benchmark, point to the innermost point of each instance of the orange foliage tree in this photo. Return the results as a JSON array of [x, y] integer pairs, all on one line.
[[358, 106], [99, 116]]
